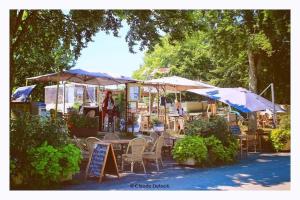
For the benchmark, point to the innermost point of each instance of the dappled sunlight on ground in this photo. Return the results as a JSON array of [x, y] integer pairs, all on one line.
[[257, 172]]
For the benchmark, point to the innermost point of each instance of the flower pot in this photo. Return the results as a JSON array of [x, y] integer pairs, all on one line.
[[158, 127], [189, 162], [287, 146], [136, 128], [67, 178], [17, 179], [84, 132]]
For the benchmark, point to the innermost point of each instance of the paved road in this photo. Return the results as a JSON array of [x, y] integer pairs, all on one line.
[[258, 172]]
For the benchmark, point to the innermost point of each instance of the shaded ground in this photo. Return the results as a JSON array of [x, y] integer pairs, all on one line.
[[257, 172]]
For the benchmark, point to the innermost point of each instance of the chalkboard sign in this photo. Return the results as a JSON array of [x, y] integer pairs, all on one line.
[[102, 161]]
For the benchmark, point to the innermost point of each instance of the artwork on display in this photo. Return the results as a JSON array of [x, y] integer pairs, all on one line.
[[132, 106], [133, 92]]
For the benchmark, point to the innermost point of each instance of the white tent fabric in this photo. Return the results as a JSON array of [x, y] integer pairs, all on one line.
[[239, 98], [82, 76], [176, 83]]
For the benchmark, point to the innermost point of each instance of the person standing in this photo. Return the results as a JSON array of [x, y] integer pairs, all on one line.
[[108, 108]]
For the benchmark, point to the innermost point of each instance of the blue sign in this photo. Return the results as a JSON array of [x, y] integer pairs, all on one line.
[[97, 160]]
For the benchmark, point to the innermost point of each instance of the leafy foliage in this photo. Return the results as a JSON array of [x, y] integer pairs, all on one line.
[[285, 121], [155, 121], [190, 147], [82, 121], [50, 164], [280, 138], [233, 48], [40, 146], [216, 152], [207, 151], [28, 131], [216, 126], [45, 163]]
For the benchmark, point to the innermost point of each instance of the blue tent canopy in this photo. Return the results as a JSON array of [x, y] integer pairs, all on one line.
[[239, 98], [22, 93]]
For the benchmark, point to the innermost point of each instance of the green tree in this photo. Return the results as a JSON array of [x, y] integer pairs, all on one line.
[[44, 41]]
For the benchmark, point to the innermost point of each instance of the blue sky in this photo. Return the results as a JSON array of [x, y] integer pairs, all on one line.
[[110, 54]]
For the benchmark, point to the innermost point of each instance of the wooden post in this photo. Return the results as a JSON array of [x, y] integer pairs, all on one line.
[[149, 101], [180, 96], [57, 90], [64, 95], [157, 101], [165, 108], [126, 106]]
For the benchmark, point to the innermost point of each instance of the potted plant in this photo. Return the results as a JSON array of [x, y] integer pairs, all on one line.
[[190, 150], [83, 126], [157, 124], [133, 122]]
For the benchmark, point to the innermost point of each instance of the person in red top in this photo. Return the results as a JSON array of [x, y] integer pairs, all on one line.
[[108, 107]]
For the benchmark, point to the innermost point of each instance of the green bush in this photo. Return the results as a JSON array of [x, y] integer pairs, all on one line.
[[216, 126], [29, 133], [216, 152], [207, 151], [285, 122], [45, 164], [82, 121], [197, 127], [231, 148], [280, 138], [190, 147], [70, 160], [51, 165]]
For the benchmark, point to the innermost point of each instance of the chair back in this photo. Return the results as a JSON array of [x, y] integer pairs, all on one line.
[[137, 147], [154, 136], [167, 138], [91, 113], [80, 144], [148, 138], [158, 145], [90, 142]]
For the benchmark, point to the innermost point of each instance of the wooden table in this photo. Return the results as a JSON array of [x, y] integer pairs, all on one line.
[[175, 116], [122, 142], [192, 115]]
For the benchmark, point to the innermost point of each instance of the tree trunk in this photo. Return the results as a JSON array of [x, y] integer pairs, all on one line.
[[253, 62]]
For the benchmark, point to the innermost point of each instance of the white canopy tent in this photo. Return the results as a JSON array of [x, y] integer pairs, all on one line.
[[176, 83]]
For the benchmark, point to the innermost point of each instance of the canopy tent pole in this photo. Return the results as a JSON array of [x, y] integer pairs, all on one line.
[[57, 90], [180, 96], [84, 95], [273, 101], [126, 106], [149, 101], [165, 107], [64, 95], [157, 101]]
